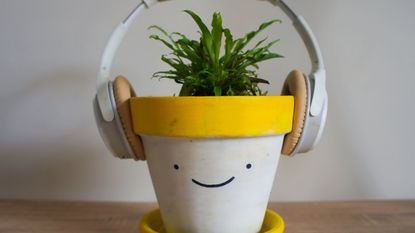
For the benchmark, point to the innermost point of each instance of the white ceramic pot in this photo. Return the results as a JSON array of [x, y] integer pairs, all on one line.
[[212, 160], [213, 185]]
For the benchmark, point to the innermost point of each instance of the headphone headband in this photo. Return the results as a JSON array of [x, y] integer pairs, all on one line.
[[317, 76]]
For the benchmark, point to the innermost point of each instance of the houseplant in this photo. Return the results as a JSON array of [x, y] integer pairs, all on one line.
[[214, 150], [204, 70]]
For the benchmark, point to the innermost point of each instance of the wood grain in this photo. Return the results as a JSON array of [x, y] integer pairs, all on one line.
[[307, 217]]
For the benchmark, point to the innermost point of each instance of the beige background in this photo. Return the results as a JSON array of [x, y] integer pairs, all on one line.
[[49, 56]]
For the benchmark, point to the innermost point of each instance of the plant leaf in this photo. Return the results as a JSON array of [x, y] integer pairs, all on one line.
[[217, 31], [229, 43], [248, 37], [156, 37], [218, 91], [206, 36]]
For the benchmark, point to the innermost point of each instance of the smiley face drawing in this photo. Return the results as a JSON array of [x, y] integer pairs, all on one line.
[[213, 185], [218, 185], [199, 183]]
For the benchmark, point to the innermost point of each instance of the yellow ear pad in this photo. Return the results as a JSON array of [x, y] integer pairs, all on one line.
[[123, 91], [295, 85]]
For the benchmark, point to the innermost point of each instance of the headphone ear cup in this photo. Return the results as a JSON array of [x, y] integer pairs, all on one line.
[[295, 85], [123, 91]]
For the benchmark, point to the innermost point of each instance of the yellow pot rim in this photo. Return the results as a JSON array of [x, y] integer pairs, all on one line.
[[152, 223], [210, 116]]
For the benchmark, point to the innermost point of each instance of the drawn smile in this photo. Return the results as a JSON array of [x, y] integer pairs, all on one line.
[[213, 185]]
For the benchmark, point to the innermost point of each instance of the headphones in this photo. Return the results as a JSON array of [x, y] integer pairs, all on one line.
[[112, 107]]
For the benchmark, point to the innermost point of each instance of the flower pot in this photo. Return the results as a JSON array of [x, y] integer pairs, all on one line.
[[212, 160]]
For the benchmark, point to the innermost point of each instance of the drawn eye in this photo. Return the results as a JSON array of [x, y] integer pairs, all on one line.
[[176, 167], [248, 166]]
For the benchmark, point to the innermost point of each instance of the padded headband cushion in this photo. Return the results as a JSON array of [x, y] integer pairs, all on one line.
[[295, 85], [123, 91]]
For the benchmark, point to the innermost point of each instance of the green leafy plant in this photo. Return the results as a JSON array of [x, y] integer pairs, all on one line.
[[204, 70]]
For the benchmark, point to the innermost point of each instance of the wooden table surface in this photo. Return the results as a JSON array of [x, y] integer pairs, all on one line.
[[307, 217]]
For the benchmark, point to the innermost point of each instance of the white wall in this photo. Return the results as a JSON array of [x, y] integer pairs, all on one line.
[[49, 56]]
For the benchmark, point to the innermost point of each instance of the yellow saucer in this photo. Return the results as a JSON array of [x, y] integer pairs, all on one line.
[[151, 223]]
